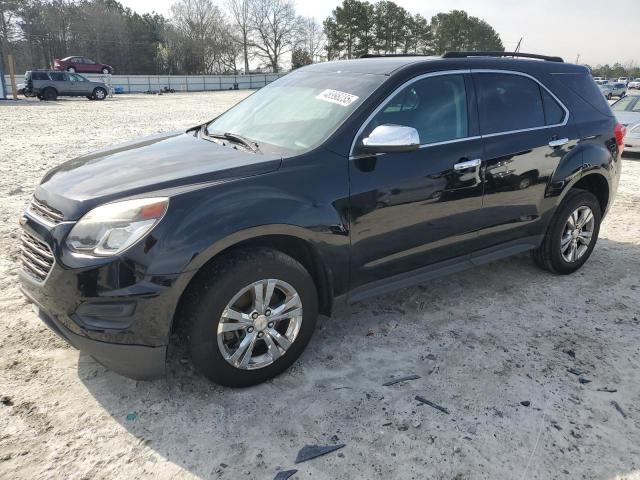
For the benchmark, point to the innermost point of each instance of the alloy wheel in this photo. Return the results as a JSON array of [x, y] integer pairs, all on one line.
[[259, 324], [577, 234]]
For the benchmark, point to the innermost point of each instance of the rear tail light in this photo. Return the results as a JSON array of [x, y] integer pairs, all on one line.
[[620, 131]]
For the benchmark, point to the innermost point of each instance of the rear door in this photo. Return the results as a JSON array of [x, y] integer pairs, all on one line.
[[525, 133], [60, 81]]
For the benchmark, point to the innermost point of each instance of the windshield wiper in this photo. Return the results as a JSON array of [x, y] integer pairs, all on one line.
[[233, 137]]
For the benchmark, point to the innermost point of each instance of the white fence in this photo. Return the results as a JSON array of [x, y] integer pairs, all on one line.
[[180, 83]]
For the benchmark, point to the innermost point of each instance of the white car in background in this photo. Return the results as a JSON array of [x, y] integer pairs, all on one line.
[[610, 90], [634, 84], [627, 111], [624, 80]]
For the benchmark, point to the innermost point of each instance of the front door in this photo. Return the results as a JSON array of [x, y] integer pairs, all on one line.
[[412, 209]]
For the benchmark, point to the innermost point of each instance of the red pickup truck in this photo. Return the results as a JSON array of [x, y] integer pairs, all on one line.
[[81, 65]]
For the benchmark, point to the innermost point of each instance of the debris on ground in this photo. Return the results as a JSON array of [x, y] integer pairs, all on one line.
[[283, 475], [6, 400], [584, 380], [607, 390], [431, 404], [576, 371], [131, 417], [525, 403], [570, 352], [618, 408], [309, 452], [401, 379]]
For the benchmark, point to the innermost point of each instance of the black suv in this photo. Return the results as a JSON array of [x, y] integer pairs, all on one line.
[[340, 180]]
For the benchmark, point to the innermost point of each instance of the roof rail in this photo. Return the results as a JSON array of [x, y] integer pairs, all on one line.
[[377, 55], [502, 54]]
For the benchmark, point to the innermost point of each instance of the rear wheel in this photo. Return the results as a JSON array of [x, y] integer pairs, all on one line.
[[50, 94], [99, 93], [572, 235], [251, 317], [106, 71]]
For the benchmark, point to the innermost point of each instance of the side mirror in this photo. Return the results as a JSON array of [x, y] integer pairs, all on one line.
[[391, 138]]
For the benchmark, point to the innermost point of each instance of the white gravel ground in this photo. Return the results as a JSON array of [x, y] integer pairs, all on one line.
[[483, 341]]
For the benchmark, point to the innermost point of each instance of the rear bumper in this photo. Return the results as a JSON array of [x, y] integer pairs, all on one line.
[[134, 361]]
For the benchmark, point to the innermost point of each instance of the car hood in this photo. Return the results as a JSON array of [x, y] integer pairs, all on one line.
[[158, 162], [628, 118]]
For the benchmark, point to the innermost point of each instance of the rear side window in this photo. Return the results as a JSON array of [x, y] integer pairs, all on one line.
[[58, 76], [553, 112], [39, 76], [435, 106], [508, 102]]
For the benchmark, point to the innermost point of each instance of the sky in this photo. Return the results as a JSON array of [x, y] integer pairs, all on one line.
[[566, 28]]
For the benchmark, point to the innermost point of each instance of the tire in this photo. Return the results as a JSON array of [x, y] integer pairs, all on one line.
[[106, 71], [609, 96], [50, 94], [549, 255], [99, 93], [71, 70], [217, 288]]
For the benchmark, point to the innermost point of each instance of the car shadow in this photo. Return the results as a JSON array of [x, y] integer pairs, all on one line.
[[484, 343]]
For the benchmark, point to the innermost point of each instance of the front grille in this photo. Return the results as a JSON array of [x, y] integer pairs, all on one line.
[[45, 212], [36, 256]]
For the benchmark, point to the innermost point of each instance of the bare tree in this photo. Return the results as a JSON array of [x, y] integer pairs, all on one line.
[[241, 15], [311, 38], [202, 31], [275, 26]]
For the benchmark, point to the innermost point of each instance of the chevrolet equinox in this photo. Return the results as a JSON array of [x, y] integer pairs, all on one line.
[[340, 180]]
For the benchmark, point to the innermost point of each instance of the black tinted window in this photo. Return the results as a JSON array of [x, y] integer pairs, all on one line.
[[435, 106], [553, 112], [39, 76], [58, 76], [508, 102]]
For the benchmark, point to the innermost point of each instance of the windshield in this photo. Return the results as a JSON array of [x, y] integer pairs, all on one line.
[[297, 112]]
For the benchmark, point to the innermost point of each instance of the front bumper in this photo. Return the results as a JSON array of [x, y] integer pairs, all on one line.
[[107, 307], [139, 362]]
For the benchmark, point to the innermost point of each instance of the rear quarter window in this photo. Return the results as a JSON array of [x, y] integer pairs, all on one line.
[[39, 76], [583, 85]]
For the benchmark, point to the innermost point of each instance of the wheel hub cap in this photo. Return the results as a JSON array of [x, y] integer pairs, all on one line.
[[577, 234], [259, 324]]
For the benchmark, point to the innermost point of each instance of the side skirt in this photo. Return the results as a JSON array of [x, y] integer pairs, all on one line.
[[446, 267]]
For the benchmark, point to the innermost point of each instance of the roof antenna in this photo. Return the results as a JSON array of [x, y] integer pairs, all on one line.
[[518, 46]]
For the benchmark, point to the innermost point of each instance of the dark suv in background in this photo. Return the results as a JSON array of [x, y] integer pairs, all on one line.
[[51, 84], [340, 180]]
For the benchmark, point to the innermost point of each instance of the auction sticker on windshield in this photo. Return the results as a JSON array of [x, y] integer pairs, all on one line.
[[335, 96]]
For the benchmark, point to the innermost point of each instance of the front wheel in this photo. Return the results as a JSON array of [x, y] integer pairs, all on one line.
[[251, 317], [572, 234]]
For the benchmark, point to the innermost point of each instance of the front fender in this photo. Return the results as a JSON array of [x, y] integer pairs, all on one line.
[[204, 222]]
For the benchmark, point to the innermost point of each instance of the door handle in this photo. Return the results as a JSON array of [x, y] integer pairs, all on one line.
[[558, 142], [467, 164]]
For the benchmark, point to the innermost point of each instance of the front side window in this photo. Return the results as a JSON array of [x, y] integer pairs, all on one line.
[[435, 106], [77, 78], [508, 102]]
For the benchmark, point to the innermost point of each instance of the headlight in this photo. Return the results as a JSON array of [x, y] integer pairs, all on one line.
[[111, 228]]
